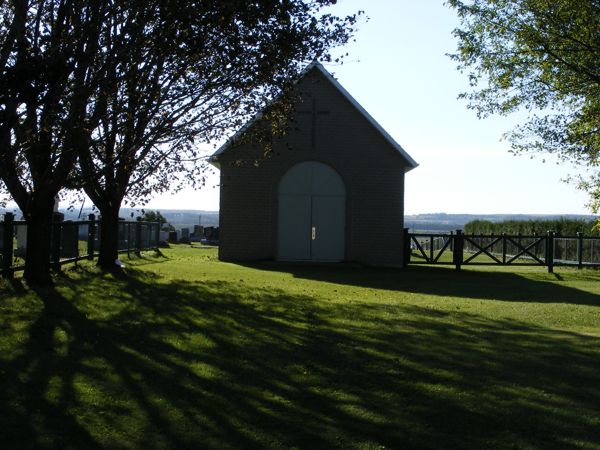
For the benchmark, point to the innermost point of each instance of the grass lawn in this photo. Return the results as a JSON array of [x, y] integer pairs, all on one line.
[[189, 352]]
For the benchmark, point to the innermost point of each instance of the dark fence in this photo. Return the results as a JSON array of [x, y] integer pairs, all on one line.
[[72, 241], [459, 249]]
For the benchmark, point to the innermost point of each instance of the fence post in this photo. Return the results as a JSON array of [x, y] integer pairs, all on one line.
[[406, 246], [503, 248], [91, 236], [458, 249], [579, 249], [138, 237], [157, 234], [431, 248], [550, 251], [8, 231], [56, 238]]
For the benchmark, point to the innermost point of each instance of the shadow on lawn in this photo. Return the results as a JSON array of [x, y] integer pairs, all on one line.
[[492, 285], [135, 363]]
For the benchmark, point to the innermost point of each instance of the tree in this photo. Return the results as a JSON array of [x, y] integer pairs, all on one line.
[[541, 56], [175, 73], [45, 51], [154, 216], [126, 88]]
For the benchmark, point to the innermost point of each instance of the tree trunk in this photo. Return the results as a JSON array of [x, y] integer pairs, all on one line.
[[37, 256], [109, 238]]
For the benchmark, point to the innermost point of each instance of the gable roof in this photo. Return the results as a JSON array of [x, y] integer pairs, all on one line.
[[411, 163]]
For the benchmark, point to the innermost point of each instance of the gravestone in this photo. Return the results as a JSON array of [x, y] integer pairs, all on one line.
[[196, 234], [21, 247], [185, 235], [69, 240], [173, 236], [211, 233], [163, 238], [208, 233]]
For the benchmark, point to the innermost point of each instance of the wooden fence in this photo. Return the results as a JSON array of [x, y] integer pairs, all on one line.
[[459, 249], [72, 241]]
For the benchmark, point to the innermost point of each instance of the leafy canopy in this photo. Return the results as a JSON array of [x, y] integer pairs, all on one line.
[[542, 57]]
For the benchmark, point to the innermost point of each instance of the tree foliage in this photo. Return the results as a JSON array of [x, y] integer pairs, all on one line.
[[176, 74], [45, 53], [541, 57], [154, 216], [562, 226], [113, 97]]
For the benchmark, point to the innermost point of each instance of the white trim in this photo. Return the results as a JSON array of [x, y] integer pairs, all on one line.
[[316, 64]]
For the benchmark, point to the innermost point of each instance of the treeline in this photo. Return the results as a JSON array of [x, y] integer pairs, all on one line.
[[563, 226]]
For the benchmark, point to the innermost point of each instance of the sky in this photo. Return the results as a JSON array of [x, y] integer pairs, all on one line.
[[399, 72]]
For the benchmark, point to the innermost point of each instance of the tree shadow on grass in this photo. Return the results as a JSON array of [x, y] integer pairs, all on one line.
[[490, 285], [140, 364]]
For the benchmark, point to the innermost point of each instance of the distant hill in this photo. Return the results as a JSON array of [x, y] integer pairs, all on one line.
[[187, 218], [450, 222], [179, 218]]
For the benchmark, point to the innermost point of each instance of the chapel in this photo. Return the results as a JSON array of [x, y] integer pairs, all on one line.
[[330, 190]]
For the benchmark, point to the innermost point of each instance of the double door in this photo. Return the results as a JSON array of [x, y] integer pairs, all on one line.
[[311, 214]]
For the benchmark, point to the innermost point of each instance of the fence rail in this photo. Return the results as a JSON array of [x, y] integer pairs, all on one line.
[[72, 241], [459, 249]]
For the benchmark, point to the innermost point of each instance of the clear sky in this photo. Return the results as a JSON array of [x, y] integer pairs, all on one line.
[[399, 72]]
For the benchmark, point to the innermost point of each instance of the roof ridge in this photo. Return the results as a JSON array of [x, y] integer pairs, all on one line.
[[316, 64]]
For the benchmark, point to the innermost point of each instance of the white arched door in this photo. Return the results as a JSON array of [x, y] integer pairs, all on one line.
[[311, 214]]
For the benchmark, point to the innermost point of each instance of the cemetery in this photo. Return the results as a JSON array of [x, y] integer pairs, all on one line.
[[72, 241], [307, 315]]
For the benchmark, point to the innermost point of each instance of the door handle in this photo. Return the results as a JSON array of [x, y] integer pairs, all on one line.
[[313, 233]]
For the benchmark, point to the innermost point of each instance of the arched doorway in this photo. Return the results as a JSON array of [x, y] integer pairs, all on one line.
[[311, 214]]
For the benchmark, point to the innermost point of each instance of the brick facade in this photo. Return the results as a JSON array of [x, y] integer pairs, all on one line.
[[371, 168]]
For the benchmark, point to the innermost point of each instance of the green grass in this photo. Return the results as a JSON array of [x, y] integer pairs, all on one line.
[[190, 352]]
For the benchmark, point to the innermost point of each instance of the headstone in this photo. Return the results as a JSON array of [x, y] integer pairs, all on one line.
[[21, 247], [208, 233], [163, 238], [69, 240], [211, 233], [196, 234], [173, 236], [185, 235]]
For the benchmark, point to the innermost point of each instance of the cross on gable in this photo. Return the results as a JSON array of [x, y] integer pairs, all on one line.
[[314, 112]]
